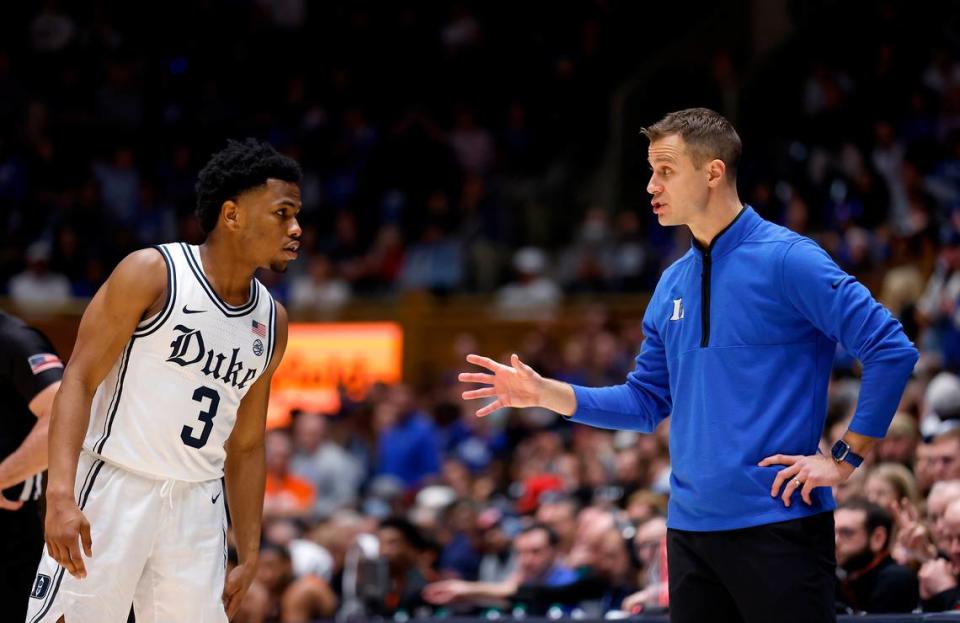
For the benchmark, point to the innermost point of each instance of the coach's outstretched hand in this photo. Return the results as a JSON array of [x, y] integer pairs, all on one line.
[[66, 527], [517, 385]]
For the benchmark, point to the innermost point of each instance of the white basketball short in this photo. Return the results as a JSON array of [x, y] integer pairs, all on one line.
[[157, 544]]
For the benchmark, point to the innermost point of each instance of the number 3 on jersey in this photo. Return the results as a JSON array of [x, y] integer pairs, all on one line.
[[205, 416]]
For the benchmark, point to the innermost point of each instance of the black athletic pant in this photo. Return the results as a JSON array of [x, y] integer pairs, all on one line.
[[21, 543], [775, 573]]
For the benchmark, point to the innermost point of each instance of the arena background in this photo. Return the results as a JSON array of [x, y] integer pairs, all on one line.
[[475, 181]]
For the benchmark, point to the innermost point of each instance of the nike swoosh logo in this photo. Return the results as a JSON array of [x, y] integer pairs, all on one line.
[[192, 311], [216, 497], [836, 284]]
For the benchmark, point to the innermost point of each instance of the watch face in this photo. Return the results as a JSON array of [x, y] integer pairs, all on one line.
[[839, 450]]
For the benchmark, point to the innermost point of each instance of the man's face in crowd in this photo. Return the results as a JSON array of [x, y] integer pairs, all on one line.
[[944, 456], [535, 555], [854, 547]]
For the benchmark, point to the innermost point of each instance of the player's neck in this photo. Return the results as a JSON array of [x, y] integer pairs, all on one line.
[[226, 271], [719, 213]]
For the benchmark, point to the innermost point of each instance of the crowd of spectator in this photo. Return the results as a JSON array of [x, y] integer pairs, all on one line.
[[450, 150]]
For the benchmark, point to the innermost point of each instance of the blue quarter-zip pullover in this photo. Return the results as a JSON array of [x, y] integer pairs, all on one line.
[[739, 340]]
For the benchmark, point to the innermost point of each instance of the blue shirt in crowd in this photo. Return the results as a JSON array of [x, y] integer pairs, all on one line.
[[739, 340], [409, 451]]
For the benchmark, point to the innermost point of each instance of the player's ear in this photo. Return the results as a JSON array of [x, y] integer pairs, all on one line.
[[230, 214]]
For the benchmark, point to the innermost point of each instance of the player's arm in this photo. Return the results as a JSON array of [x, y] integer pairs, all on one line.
[[135, 287], [245, 473]]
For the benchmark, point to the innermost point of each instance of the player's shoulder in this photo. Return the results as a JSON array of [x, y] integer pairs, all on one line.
[[146, 261], [143, 271]]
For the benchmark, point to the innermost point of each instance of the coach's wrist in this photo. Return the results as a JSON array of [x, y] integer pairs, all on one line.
[[557, 396]]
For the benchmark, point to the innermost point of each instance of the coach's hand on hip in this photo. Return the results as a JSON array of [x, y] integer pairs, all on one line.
[[805, 473], [66, 527]]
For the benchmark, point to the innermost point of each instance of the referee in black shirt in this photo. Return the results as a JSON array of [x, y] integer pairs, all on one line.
[[30, 373]]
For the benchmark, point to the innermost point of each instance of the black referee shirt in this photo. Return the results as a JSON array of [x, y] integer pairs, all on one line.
[[28, 365]]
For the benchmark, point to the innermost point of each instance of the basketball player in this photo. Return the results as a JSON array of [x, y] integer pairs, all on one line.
[[166, 392], [739, 337], [30, 373]]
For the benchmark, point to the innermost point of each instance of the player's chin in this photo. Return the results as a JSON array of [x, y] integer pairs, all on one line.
[[279, 266]]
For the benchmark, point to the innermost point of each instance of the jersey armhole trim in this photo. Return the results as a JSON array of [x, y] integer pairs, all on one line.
[[151, 325], [272, 343]]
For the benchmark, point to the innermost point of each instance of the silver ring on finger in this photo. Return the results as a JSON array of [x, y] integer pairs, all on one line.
[[797, 482]]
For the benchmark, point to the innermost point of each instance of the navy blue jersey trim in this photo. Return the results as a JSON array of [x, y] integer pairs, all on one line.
[[115, 403], [272, 340], [170, 302], [85, 496], [223, 306]]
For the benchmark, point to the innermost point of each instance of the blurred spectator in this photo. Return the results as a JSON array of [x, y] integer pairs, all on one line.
[[320, 290], [869, 579], [537, 567], [37, 289], [400, 543], [937, 308], [900, 444], [888, 483], [941, 405], [559, 513], [407, 446], [286, 495], [650, 545], [307, 557], [944, 456], [335, 475], [279, 596], [532, 294], [499, 560], [939, 578]]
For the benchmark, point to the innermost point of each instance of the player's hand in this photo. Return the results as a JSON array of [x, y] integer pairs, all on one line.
[[66, 528], [516, 385], [807, 472], [236, 587], [9, 505]]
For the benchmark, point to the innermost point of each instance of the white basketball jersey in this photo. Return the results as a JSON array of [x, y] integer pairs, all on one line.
[[170, 402]]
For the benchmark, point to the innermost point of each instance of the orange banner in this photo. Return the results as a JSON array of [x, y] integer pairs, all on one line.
[[321, 357]]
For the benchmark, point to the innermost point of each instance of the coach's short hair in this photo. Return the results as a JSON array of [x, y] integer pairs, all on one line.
[[708, 136], [237, 168]]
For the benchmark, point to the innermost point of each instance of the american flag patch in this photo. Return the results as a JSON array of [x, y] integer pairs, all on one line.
[[259, 329], [43, 362]]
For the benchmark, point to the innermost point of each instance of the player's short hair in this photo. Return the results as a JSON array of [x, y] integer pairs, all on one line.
[[708, 136], [237, 168]]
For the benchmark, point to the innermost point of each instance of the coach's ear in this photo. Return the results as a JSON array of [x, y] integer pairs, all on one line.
[[230, 215]]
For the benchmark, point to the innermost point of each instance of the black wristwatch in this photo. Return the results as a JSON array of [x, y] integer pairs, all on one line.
[[841, 452]]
